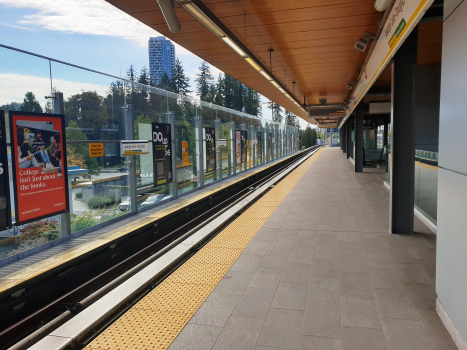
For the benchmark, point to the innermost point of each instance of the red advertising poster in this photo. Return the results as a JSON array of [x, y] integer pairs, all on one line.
[[39, 165]]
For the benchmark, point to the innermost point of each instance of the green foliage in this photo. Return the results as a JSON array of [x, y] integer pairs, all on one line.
[[180, 82], [86, 220], [101, 201], [74, 133], [165, 83], [79, 195], [36, 234], [276, 112], [203, 81], [30, 103], [308, 137]]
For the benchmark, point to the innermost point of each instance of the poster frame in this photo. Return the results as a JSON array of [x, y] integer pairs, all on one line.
[[4, 161], [212, 141], [64, 164]]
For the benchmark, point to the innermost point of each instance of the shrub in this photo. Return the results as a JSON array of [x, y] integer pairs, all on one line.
[[36, 234], [79, 195], [100, 201], [86, 220]]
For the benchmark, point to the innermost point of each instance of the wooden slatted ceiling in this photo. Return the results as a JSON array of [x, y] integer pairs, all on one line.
[[313, 41]]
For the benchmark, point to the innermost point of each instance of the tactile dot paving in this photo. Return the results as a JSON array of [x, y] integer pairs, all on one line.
[[219, 255], [155, 321], [175, 297], [197, 273]]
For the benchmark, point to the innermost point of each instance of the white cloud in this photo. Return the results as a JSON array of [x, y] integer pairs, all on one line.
[[14, 86], [18, 27], [91, 17]]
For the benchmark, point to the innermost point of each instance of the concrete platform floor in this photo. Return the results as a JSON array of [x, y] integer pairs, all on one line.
[[324, 273]]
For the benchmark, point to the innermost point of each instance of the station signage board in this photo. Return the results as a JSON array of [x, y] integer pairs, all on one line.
[[210, 149], [96, 150], [185, 152], [221, 143], [162, 153], [5, 206], [133, 147], [403, 17], [39, 163]]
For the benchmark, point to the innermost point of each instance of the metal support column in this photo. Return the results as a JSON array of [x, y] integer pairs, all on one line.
[[233, 149], [65, 222], [201, 152], [219, 150], [129, 134], [171, 116], [358, 157], [385, 134], [401, 198], [344, 137], [349, 136]]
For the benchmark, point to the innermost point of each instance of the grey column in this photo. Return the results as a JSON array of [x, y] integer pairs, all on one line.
[[344, 137], [358, 157], [385, 133], [401, 199], [349, 136]]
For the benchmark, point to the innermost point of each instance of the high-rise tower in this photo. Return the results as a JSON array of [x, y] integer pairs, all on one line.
[[161, 58]]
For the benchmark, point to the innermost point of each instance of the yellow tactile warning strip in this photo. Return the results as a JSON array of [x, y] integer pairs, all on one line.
[[155, 321], [36, 269]]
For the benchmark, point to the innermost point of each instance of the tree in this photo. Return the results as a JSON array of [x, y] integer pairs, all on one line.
[[219, 98], [30, 103], [291, 119], [252, 102], [203, 80], [276, 112], [180, 82], [238, 93], [308, 137], [131, 87], [78, 153], [165, 83]]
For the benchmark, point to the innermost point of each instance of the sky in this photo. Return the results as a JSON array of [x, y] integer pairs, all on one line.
[[88, 33]]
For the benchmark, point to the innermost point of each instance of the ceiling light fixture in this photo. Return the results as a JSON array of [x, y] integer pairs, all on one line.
[[168, 11], [204, 19]]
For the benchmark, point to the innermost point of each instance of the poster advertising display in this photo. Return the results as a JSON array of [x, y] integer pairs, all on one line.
[[39, 163], [259, 147], [244, 146], [238, 149], [162, 153], [210, 149], [5, 209], [185, 152]]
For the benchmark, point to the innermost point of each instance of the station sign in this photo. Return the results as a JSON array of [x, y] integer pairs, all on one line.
[[210, 149], [132, 148], [404, 16], [162, 153], [39, 163], [5, 206], [96, 150], [323, 112], [222, 143], [185, 152]]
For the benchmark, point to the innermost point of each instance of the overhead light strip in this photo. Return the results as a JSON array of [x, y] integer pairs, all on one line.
[[209, 24]]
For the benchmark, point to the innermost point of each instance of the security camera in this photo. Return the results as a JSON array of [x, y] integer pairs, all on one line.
[[363, 42], [168, 10], [351, 84]]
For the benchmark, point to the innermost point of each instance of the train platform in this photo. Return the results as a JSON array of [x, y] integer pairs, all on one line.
[[311, 265]]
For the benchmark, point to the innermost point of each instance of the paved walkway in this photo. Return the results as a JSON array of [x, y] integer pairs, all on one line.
[[324, 273]]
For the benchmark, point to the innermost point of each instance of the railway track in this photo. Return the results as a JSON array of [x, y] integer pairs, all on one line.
[[37, 307]]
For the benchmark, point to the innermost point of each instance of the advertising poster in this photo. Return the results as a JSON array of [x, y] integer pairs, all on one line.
[[260, 145], [210, 149], [243, 145], [5, 210], [238, 149], [39, 163], [185, 152], [162, 153]]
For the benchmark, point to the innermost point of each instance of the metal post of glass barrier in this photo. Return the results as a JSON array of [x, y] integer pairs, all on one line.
[[65, 222], [233, 148], [201, 153], [219, 149], [131, 163], [171, 116], [253, 138]]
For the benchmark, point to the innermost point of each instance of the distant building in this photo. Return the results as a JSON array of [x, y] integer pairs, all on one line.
[[161, 58]]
